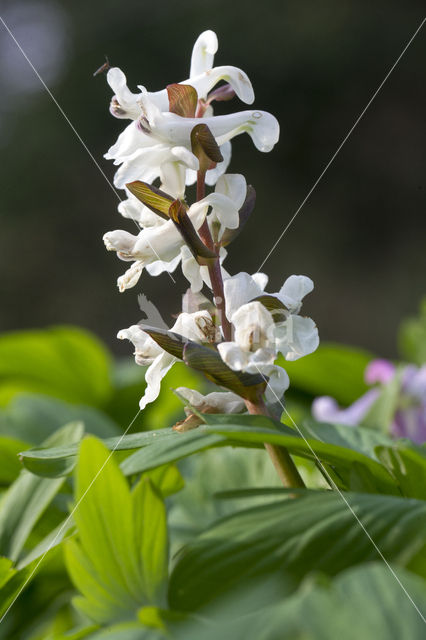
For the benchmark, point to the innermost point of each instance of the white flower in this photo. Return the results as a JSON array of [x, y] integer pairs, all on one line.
[[196, 326], [203, 77], [161, 141], [166, 140], [295, 336], [253, 348], [160, 247], [215, 402]]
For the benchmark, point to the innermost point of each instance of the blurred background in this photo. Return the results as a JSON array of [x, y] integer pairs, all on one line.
[[360, 236]]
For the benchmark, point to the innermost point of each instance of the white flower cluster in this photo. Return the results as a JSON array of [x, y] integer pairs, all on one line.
[[158, 145]]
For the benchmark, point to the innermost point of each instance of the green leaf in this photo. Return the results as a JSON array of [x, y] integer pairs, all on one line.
[[412, 337], [365, 602], [58, 461], [207, 360], [332, 370], [381, 413], [9, 462], [34, 417], [64, 362], [315, 532], [27, 499], [407, 464], [119, 562]]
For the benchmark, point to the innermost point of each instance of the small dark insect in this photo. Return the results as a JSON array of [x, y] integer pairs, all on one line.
[[103, 68]]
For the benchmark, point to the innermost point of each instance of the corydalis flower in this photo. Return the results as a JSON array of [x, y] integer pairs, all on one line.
[[161, 247], [409, 418], [260, 334], [157, 143], [197, 327]]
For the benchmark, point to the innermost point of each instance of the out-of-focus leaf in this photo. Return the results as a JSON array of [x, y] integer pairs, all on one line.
[[407, 464], [28, 497], [332, 370], [9, 462], [366, 602], [313, 532], [382, 411], [56, 461], [64, 362], [412, 337], [119, 562]]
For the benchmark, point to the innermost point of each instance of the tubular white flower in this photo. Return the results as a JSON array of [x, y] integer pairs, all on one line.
[[203, 52], [215, 402], [196, 326], [160, 245], [203, 77]]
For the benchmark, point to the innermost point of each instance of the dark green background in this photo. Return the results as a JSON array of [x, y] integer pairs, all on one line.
[[360, 236]]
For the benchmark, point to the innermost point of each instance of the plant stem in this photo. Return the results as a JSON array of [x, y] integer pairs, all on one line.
[[215, 271], [281, 459]]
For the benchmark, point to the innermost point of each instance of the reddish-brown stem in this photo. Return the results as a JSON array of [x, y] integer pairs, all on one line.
[[215, 271], [281, 459]]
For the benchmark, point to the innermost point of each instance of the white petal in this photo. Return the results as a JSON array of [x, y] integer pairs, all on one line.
[[296, 337], [127, 106], [203, 53], [172, 176], [224, 209], [146, 349], [191, 270], [196, 326], [234, 186], [186, 157], [130, 278], [237, 78], [233, 356], [120, 241], [220, 401], [212, 175], [134, 210], [160, 266], [239, 290], [294, 289], [261, 279], [254, 327], [153, 376]]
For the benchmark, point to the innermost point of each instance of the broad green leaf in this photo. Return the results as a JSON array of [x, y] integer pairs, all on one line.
[[57, 461], [64, 362], [332, 370], [367, 602], [27, 499], [119, 562], [407, 464], [315, 532], [13, 587], [412, 337]]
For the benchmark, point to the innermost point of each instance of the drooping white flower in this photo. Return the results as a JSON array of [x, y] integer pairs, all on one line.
[[166, 140], [295, 336], [166, 134], [196, 326], [203, 77], [160, 247], [215, 402]]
